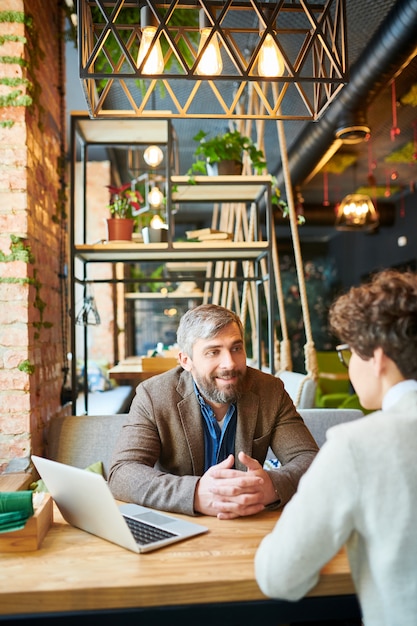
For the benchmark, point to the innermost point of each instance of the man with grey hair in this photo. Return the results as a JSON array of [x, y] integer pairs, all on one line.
[[197, 436]]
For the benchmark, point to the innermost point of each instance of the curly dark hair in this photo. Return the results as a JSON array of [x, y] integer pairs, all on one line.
[[380, 314]]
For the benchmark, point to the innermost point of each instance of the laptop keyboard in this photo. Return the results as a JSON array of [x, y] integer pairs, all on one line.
[[144, 533]]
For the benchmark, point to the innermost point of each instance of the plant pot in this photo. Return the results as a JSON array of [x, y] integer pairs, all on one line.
[[154, 235], [224, 168], [119, 229]]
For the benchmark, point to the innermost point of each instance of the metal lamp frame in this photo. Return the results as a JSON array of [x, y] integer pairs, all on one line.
[[310, 36]]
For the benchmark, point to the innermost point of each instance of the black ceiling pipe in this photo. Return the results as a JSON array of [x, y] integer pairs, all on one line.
[[390, 48]]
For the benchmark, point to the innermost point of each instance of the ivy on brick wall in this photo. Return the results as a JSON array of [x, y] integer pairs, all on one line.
[[16, 97], [21, 251], [25, 92]]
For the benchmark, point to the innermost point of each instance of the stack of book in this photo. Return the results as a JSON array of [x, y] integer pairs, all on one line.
[[208, 234]]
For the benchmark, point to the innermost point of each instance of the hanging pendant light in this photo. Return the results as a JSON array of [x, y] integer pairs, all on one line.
[[155, 197], [270, 60], [356, 212], [154, 63], [310, 77], [153, 156], [157, 222], [210, 63]]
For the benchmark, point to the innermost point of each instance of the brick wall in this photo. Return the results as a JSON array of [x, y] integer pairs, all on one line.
[[31, 346]]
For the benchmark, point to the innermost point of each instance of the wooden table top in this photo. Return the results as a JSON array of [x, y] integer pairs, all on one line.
[[76, 571]]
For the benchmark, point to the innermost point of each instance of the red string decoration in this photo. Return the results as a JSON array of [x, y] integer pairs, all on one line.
[[395, 131], [387, 191], [371, 167], [325, 189], [402, 204]]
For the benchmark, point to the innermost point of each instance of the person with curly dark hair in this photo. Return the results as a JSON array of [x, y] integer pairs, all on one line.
[[360, 490]]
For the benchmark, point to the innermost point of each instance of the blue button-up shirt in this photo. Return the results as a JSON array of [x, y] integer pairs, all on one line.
[[218, 442]]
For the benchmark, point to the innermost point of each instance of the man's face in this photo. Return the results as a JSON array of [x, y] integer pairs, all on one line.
[[218, 365]]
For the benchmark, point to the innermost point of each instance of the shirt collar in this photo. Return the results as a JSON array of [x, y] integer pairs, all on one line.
[[395, 393]]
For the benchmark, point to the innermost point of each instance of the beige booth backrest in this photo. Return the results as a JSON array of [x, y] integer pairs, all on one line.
[[86, 439]]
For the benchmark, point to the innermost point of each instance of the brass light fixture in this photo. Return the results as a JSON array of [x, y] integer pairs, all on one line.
[[306, 40], [356, 212]]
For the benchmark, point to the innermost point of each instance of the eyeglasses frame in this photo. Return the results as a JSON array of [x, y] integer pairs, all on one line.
[[339, 349]]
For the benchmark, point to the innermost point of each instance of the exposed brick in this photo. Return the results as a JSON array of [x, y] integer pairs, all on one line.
[[18, 312], [15, 402], [29, 185], [15, 201], [14, 223], [14, 269], [13, 358], [11, 293], [14, 335], [17, 447], [15, 423], [15, 135], [13, 379]]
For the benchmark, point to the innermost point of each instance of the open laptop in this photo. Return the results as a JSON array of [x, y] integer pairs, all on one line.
[[85, 501]]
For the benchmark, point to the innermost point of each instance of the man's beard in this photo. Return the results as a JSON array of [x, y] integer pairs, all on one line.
[[230, 393]]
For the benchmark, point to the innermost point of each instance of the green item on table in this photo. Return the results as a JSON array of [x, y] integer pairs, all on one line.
[[15, 509]]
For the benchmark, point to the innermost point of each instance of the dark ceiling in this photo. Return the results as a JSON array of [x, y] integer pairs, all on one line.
[[381, 93]]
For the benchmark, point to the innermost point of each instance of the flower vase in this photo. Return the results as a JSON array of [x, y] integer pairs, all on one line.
[[154, 235]]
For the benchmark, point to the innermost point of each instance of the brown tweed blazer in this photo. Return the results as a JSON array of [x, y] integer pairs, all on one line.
[[159, 456]]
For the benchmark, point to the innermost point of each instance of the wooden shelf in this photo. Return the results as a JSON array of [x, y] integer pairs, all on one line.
[[121, 132], [219, 188], [171, 295], [178, 251]]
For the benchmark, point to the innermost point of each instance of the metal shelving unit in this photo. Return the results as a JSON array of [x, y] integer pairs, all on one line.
[[253, 191]]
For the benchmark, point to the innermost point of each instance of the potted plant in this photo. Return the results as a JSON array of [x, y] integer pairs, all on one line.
[[227, 151], [216, 154], [124, 203]]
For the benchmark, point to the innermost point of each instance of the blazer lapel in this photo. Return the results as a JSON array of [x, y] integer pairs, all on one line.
[[191, 420], [247, 413]]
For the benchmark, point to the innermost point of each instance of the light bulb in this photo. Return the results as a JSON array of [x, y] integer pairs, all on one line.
[[155, 197], [156, 222], [210, 63], [155, 61], [356, 212], [153, 156], [270, 61]]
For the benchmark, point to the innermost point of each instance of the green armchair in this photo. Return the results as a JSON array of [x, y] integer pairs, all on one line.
[[333, 385]]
